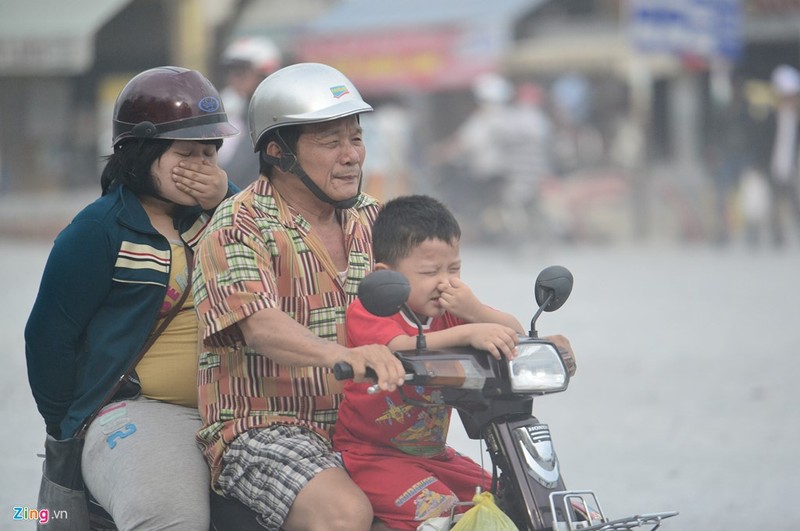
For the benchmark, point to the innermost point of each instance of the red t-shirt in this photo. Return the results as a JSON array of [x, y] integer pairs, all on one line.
[[383, 420]]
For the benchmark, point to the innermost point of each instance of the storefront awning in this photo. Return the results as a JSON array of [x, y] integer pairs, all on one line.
[[609, 53], [51, 37], [388, 47]]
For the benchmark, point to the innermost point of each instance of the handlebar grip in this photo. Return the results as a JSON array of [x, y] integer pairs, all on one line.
[[344, 371]]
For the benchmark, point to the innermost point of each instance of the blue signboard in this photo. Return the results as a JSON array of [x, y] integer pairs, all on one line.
[[706, 28]]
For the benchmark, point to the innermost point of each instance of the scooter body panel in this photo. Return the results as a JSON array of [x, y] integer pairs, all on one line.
[[523, 451]]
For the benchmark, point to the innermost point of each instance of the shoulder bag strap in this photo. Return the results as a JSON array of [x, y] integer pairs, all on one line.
[[149, 343]]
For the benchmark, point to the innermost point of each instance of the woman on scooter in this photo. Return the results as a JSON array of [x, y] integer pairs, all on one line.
[[120, 269]]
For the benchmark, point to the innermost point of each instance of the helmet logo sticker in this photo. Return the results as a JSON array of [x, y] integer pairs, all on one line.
[[209, 104], [339, 90]]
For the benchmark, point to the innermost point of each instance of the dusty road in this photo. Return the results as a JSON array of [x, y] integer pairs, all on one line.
[[686, 396]]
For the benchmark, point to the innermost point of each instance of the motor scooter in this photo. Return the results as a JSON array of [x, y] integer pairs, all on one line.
[[494, 399]]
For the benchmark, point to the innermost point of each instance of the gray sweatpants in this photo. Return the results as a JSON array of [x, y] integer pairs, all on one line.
[[141, 462]]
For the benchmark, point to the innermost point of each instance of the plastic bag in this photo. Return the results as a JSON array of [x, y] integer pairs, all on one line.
[[485, 516]]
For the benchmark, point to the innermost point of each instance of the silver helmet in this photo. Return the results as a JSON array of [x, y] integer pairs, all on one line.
[[302, 93]]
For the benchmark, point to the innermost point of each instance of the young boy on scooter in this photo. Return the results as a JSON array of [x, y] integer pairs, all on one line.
[[395, 450]]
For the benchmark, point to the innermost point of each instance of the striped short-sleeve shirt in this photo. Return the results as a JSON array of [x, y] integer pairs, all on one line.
[[259, 253]]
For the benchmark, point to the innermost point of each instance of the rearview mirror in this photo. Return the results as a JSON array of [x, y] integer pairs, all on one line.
[[553, 286], [553, 283], [383, 292]]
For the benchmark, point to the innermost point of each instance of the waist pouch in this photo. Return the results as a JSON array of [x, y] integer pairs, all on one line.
[[62, 491]]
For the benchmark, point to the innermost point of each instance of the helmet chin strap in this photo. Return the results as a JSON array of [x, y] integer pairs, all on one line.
[[288, 163], [162, 198]]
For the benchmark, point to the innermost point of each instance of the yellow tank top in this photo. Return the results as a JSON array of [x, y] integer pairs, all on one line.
[[168, 370]]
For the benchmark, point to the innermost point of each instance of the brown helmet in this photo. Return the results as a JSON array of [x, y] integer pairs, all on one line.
[[173, 103]]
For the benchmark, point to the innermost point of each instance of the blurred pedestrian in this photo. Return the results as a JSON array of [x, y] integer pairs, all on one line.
[[247, 62], [111, 341], [577, 141], [389, 167], [754, 205], [778, 157], [730, 155], [529, 163], [475, 157]]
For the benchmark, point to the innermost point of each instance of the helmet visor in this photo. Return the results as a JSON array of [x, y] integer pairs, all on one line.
[[204, 131], [332, 112], [209, 127]]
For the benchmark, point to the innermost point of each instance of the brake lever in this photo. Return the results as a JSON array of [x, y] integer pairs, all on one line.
[[375, 388]]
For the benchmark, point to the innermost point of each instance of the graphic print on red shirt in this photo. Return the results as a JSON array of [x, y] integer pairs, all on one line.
[[384, 420]]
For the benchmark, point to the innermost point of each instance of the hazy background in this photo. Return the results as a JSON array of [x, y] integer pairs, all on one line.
[[683, 320]]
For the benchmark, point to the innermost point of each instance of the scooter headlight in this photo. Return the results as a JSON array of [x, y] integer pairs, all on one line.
[[537, 368]]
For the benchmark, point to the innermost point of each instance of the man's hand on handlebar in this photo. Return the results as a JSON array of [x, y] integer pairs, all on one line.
[[388, 370]]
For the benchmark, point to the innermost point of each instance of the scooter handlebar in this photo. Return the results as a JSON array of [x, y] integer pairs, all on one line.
[[344, 371]]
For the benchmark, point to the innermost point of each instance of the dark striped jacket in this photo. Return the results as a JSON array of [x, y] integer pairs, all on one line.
[[99, 298]]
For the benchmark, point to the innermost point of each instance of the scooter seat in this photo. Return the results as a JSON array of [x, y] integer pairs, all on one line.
[[228, 514]]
